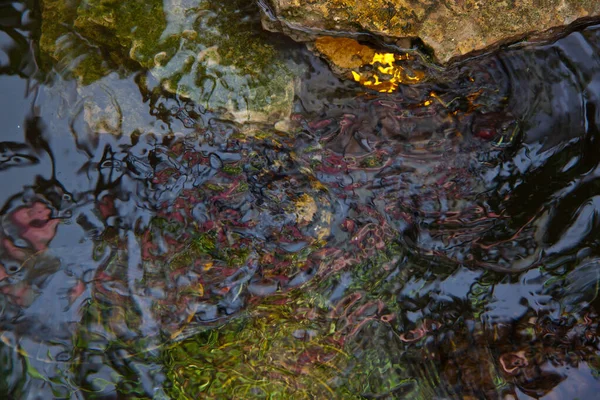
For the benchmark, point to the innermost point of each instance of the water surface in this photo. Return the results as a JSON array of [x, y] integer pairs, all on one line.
[[193, 207]]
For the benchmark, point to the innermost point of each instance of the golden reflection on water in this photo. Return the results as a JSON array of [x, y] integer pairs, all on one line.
[[387, 74], [381, 71]]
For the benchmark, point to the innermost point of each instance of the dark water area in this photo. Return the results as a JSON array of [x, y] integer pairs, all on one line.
[[218, 215]]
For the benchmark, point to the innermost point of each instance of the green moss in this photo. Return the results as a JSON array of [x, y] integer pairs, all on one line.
[[200, 245], [213, 187], [232, 169], [242, 187], [182, 260], [203, 244], [232, 362]]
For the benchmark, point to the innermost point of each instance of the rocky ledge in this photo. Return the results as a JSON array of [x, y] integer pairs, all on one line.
[[451, 28]]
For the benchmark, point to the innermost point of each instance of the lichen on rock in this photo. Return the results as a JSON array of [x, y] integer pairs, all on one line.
[[451, 28]]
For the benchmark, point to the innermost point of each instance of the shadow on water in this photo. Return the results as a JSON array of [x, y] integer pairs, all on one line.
[[192, 207]]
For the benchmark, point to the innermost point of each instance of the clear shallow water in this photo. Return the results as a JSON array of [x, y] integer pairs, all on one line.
[[167, 237]]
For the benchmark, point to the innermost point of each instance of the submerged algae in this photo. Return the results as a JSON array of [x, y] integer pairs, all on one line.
[[285, 347]]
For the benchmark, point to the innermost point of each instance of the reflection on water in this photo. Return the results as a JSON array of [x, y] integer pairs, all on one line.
[[161, 238]]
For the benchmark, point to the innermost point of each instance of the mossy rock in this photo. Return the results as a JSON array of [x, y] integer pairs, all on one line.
[[213, 54]]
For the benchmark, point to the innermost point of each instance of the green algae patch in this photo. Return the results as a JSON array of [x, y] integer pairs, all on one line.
[[279, 349], [271, 353]]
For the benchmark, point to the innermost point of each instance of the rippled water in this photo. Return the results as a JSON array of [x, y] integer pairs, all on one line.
[[193, 207]]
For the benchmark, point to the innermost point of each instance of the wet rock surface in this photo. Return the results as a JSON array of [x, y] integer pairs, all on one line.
[[450, 28], [210, 54]]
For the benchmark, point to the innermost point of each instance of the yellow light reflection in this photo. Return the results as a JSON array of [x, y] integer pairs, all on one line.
[[387, 74]]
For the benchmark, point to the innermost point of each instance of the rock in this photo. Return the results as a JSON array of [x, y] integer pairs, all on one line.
[[344, 52], [450, 28], [216, 55]]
